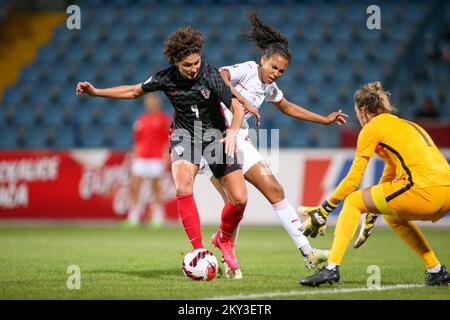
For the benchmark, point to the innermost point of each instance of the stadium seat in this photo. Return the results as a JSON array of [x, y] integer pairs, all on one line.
[[123, 141], [7, 138], [91, 136]]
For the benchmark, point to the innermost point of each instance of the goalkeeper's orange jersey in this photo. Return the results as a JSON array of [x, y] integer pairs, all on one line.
[[407, 149]]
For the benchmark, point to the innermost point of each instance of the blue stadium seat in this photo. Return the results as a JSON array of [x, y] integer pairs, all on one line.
[[11, 96], [59, 76], [372, 73], [35, 138], [400, 32], [314, 32], [61, 137], [327, 14], [356, 13], [300, 14], [313, 72], [356, 53], [7, 138], [28, 74], [24, 115], [341, 32], [54, 115], [123, 138], [91, 136], [328, 52]]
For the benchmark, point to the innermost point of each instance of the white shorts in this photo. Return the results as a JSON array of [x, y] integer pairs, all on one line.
[[247, 156], [147, 168]]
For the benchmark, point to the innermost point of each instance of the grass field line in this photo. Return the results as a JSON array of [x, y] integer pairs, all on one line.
[[313, 292]]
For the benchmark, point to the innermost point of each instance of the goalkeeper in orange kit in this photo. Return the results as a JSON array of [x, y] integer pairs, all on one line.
[[415, 185]]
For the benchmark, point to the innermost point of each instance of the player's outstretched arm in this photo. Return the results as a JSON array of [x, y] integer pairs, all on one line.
[[298, 112], [247, 105], [119, 92]]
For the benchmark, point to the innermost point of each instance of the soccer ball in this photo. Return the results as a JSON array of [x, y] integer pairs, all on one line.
[[200, 264]]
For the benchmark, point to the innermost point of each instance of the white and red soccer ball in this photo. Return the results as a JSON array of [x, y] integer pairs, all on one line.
[[200, 264]]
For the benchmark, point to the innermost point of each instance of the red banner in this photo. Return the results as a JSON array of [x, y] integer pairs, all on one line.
[[69, 185]]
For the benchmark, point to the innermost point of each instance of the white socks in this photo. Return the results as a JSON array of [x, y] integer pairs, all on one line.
[[157, 214], [135, 213], [330, 266], [290, 221]]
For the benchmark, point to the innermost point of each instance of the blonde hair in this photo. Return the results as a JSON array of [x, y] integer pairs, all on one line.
[[374, 98]]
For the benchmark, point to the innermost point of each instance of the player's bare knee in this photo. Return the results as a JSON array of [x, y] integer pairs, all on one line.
[[183, 191], [239, 204], [184, 187]]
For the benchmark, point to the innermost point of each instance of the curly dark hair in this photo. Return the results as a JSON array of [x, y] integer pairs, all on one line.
[[267, 38], [182, 43]]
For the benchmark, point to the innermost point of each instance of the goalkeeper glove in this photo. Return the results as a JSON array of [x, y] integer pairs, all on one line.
[[366, 229], [316, 223]]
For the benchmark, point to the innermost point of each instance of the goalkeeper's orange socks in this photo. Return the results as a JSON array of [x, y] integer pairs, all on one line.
[[187, 209], [231, 216], [289, 219], [414, 238], [346, 226]]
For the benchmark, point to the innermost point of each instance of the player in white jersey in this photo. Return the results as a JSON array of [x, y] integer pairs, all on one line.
[[253, 84]]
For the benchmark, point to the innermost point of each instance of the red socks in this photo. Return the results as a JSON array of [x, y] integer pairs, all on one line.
[[189, 217], [231, 216]]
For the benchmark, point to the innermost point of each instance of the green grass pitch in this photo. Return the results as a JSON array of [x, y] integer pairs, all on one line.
[[146, 264]]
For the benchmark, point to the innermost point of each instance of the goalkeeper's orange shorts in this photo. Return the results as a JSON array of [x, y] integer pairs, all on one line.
[[407, 202]]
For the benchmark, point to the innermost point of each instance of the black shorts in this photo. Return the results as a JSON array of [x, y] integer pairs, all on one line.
[[213, 152]]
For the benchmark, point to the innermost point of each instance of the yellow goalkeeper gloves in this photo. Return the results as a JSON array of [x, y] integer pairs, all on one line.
[[317, 219], [366, 229]]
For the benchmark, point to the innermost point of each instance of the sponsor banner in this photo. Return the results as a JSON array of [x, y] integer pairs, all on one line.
[[78, 184]]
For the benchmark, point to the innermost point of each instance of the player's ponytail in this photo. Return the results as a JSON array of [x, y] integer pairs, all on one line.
[[374, 98], [268, 39]]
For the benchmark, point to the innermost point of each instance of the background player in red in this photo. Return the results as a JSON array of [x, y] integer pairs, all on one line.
[[150, 159]]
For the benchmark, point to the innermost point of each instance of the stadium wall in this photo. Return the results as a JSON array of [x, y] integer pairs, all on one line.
[[95, 184]]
